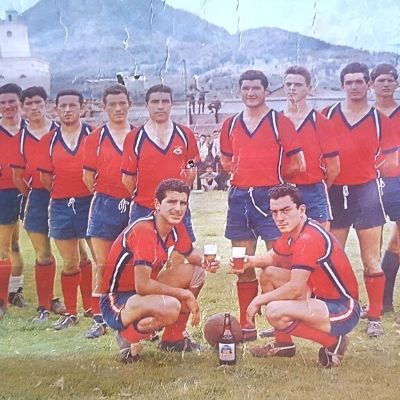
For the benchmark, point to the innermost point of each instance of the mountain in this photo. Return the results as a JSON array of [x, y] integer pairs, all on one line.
[[84, 40]]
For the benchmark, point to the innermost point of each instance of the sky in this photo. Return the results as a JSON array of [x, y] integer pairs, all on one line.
[[367, 24]]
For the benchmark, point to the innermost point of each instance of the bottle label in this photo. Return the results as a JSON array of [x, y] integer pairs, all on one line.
[[227, 351]]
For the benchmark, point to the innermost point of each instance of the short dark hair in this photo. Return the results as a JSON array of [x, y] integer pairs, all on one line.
[[33, 91], [171, 185], [160, 88], [383, 69], [286, 190], [11, 88], [252, 75], [299, 70], [70, 92], [354, 68], [115, 89]]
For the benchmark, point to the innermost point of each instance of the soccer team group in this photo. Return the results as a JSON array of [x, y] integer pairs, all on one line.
[[299, 180]]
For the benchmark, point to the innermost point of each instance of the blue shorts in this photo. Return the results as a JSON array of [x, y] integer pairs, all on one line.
[[138, 211], [249, 216], [36, 216], [10, 203], [391, 197], [111, 305], [359, 206], [108, 216], [344, 315], [68, 218], [317, 201]]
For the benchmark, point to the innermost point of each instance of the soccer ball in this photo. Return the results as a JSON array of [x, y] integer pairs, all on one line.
[[214, 326]]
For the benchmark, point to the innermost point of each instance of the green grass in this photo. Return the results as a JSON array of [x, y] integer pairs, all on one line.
[[39, 363]]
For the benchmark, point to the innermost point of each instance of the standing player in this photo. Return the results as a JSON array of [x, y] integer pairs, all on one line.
[[11, 263], [158, 150], [143, 290], [318, 143], [109, 211], [253, 144], [317, 265], [24, 164], [362, 132], [384, 83], [60, 166]]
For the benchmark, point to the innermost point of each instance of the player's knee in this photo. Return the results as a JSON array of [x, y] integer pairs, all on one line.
[[273, 312], [170, 312], [198, 278]]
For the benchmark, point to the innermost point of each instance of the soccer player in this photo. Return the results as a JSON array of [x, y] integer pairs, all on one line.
[[158, 150], [362, 132], [11, 263], [253, 144], [384, 83], [144, 290], [318, 143], [27, 180], [305, 261], [60, 167], [109, 211]]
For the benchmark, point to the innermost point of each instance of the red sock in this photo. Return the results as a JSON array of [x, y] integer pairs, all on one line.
[[69, 285], [174, 332], [44, 284], [304, 331], [5, 273], [246, 292], [282, 337], [131, 335], [375, 285], [96, 305], [86, 284], [53, 268]]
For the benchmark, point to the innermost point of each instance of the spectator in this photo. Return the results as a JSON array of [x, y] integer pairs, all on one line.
[[208, 179]]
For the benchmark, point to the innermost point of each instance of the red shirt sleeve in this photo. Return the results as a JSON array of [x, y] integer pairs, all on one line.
[[389, 139], [282, 246], [129, 159], [143, 241], [90, 149], [193, 151], [288, 135], [45, 163], [326, 136], [16, 159], [306, 252], [224, 138]]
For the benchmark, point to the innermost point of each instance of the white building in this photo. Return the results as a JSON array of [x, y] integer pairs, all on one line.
[[16, 63]]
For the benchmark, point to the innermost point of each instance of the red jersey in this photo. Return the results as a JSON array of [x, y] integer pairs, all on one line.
[[395, 118], [151, 164], [141, 244], [318, 142], [360, 144], [257, 157], [317, 251], [65, 164], [103, 156], [26, 155], [7, 149]]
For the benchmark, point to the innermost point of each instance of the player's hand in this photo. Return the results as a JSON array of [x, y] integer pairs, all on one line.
[[212, 266], [253, 309]]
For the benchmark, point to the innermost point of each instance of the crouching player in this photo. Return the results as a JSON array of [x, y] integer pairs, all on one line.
[[309, 287], [142, 291]]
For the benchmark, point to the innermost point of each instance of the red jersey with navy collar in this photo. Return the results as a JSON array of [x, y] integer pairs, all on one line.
[[151, 164], [257, 156], [395, 118], [26, 156], [65, 164], [102, 155], [7, 149], [318, 142], [318, 251], [141, 244], [361, 143]]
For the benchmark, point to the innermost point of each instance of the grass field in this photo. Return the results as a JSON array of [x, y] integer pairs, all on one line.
[[39, 363]]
